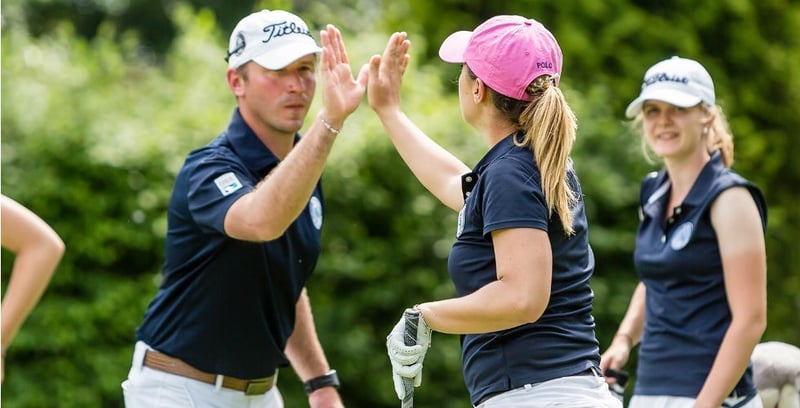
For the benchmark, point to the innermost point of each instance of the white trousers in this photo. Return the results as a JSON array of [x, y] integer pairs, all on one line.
[[583, 391], [149, 388], [663, 401]]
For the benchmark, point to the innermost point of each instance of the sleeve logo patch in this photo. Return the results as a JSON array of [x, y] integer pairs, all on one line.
[[315, 207], [227, 183]]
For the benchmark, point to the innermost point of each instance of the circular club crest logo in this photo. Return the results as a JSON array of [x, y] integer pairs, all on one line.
[[315, 208], [681, 236]]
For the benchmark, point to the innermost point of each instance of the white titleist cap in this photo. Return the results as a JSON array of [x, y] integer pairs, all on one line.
[[273, 39], [677, 81]]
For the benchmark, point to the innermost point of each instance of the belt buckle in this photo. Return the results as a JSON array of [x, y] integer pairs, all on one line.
[[258, 387]]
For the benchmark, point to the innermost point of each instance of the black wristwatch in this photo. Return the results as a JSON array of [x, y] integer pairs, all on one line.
[[326, 380]]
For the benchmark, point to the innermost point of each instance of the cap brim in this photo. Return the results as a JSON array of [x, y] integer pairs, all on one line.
[[453, 47], [670, 96], [281, 57]]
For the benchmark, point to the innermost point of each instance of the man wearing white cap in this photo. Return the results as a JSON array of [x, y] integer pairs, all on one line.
[[243, 232]]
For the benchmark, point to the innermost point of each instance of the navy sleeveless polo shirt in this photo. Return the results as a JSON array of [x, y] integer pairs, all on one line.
[[687, 311]]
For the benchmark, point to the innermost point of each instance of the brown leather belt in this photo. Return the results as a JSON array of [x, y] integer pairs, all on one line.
[[172, 365]]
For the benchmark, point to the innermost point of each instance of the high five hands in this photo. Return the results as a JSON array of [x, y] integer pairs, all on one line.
[[386, 74], [381, 78], [341, 93]]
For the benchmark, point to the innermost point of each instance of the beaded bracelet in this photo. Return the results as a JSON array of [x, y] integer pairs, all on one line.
[[329, 127]]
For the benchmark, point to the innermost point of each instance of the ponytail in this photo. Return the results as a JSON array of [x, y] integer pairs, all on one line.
[[550, 128]]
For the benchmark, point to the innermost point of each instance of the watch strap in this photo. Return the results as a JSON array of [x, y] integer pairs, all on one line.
[[330, 379]]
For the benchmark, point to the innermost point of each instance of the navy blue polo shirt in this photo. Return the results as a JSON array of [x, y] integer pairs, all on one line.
[[687, 312], [562, 342], [227, 306]]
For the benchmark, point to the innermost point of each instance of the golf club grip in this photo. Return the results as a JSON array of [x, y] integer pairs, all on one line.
[[410, 339]]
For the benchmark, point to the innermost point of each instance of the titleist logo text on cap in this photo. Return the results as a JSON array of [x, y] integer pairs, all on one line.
[[281, 29], [664, 77]]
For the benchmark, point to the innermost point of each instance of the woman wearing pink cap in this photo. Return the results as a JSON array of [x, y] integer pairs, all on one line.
[[700, 307], [521, 262]]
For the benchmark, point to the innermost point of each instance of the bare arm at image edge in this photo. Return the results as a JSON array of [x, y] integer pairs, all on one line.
[[38, 250]]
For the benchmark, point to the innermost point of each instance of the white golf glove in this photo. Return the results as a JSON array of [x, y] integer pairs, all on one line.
[[407, 360]]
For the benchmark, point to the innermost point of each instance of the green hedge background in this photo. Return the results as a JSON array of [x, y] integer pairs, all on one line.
[[102, 99]]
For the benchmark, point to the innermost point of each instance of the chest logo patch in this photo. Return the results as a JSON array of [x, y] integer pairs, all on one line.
[[227, 183], [681, 236], [315, 208]]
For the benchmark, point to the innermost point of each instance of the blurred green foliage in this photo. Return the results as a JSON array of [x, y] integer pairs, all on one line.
[[101, 101]]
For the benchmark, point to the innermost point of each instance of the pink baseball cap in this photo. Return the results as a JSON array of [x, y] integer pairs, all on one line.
[[507, 53]]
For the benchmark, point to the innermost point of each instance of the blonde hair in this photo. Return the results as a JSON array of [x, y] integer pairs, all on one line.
[[718, 136], [549, 127]]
